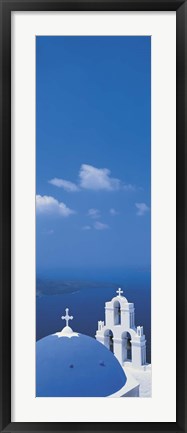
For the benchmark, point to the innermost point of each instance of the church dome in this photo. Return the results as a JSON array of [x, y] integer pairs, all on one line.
[[69, 364]]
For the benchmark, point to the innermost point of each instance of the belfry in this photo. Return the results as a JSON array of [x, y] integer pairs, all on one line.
[[119, 333]]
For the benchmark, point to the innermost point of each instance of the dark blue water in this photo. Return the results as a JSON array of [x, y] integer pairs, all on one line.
[[87, 306]]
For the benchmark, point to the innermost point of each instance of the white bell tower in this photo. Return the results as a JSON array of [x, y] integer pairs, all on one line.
[[119, 334]]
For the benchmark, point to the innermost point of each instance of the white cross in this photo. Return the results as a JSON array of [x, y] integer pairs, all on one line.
[[119, 291], [67, 317]]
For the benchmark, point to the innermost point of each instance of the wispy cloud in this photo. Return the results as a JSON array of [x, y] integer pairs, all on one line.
[[142, 209], [86, 228], [129, 187], [49, 205], [65, 184], [100, 226], [94, 213], [48, 232], [113, 212]]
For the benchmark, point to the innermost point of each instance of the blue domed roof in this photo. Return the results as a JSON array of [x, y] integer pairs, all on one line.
[[79, 366]]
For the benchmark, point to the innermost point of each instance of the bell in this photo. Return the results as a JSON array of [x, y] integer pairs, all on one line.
[[128, 344]]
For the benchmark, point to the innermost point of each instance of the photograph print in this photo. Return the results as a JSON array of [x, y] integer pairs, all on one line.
[[93, 216]]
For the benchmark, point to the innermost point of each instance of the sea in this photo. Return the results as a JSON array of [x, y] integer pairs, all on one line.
[[86, 297]]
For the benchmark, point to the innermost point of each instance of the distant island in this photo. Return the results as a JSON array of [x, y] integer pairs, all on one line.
[[46, 287]]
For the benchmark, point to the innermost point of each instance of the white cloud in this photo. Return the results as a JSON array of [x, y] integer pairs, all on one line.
[[100, 226], [65, 184], [94, 213], [49, 205], [97, 179], [93, 178], [142, 209], [113, 212], [86, 228]]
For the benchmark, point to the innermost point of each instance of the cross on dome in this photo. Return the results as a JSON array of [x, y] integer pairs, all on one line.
[[66, 331], [119, 291], [67, 317]]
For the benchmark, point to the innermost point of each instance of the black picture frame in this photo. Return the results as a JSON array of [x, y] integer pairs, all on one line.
[[6, 7]]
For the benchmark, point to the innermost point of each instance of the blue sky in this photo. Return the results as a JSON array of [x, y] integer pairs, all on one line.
[[93, 152]]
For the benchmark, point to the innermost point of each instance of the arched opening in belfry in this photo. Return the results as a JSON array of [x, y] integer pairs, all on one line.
[[126, 347], [108, 340], [117, 313]]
